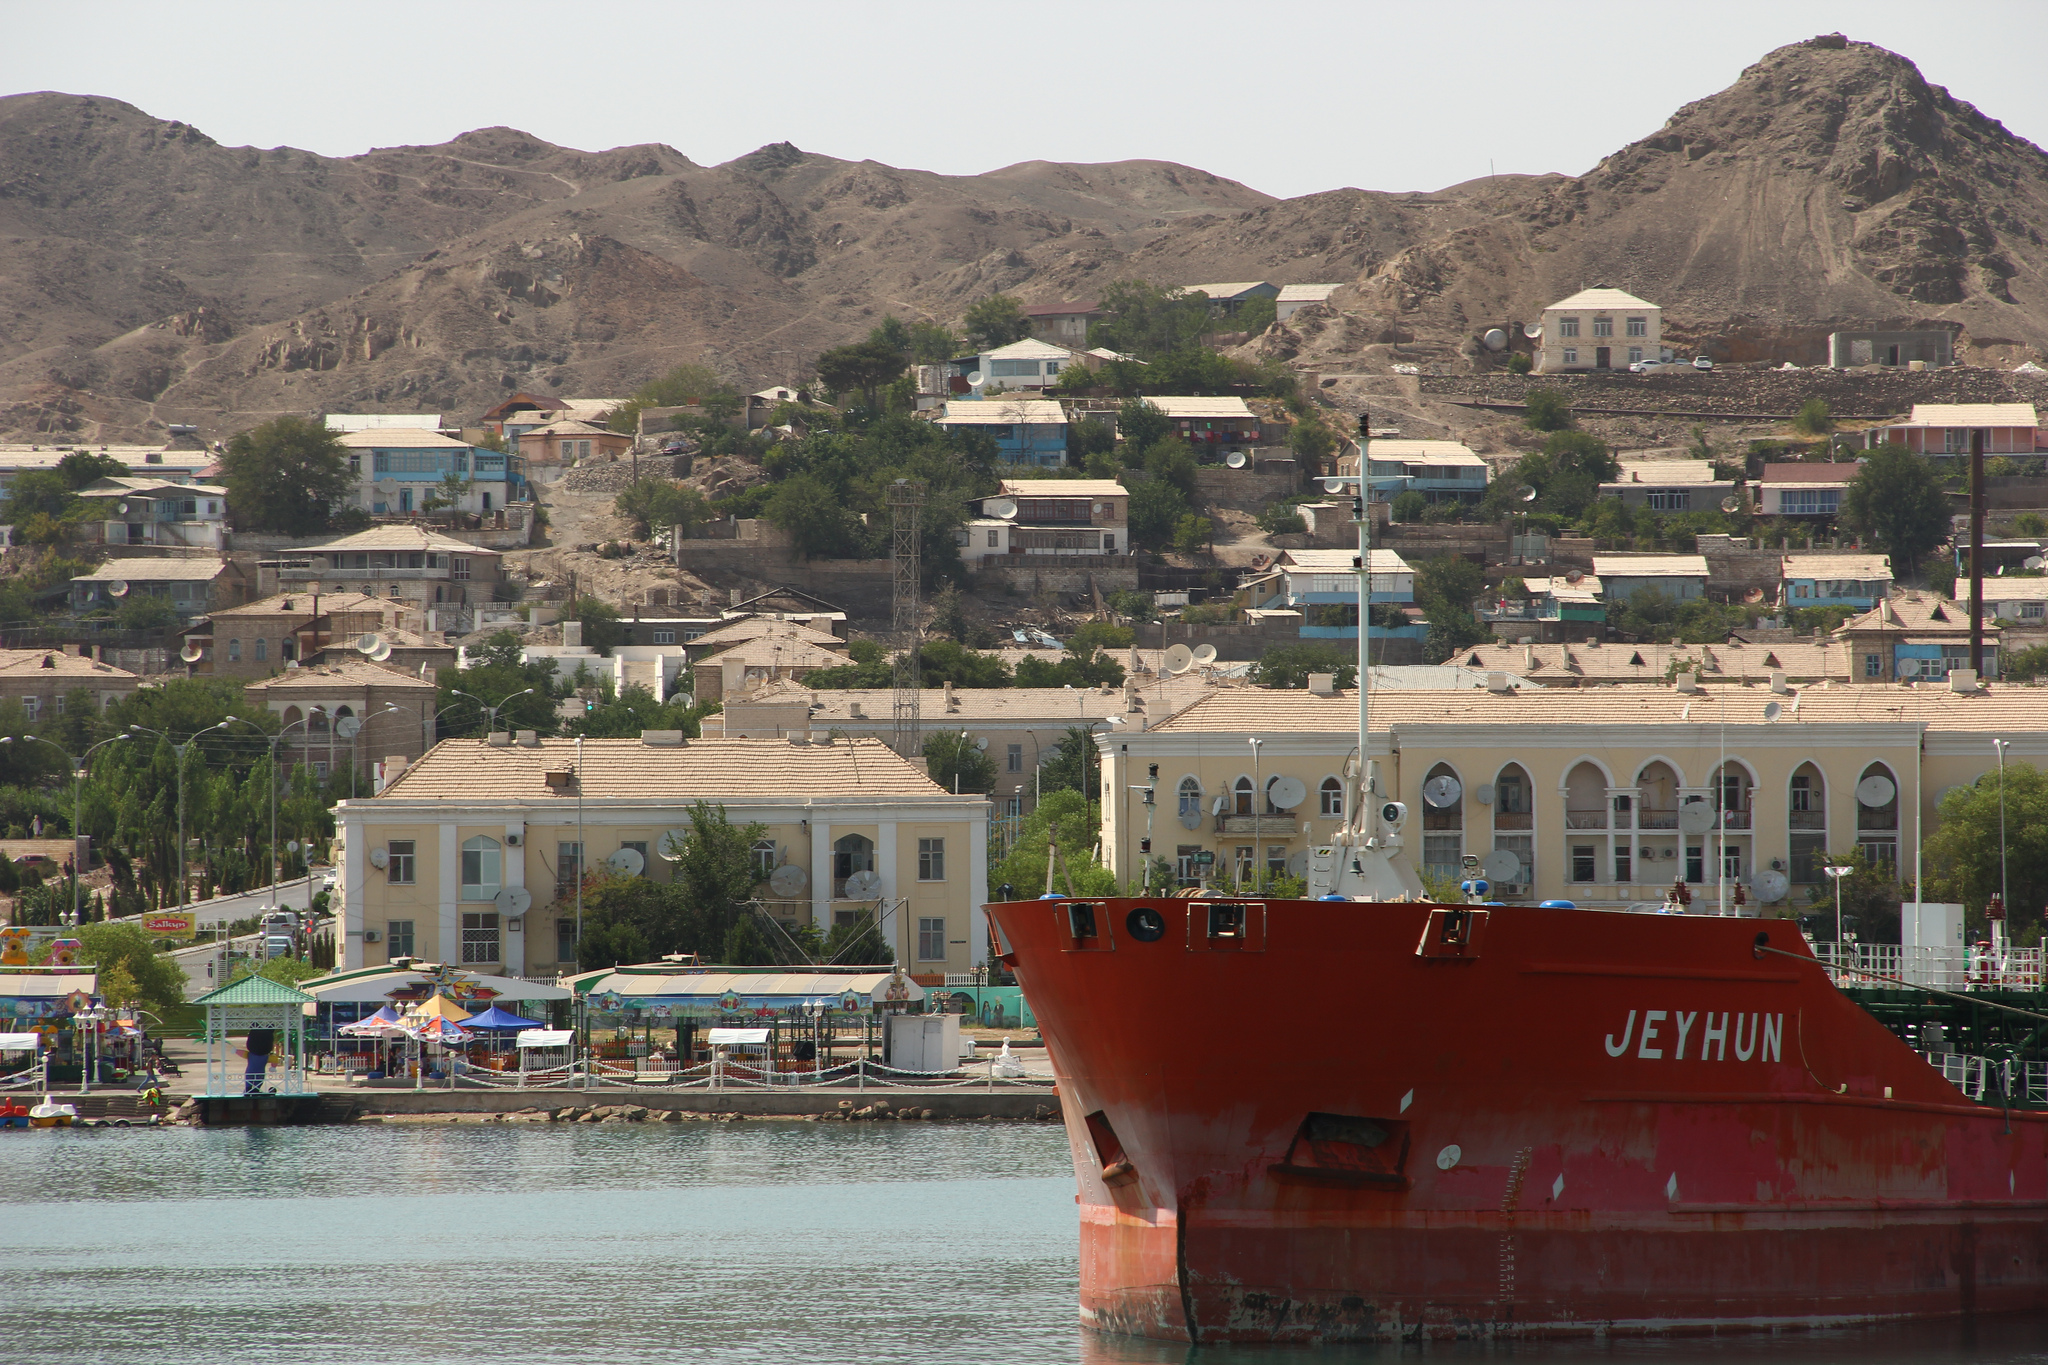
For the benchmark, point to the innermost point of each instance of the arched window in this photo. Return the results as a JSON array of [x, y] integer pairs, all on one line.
[[1514, 823], [1190, 796], [1877, 815], [850, 854], [1657, 785], [292, 715], [316, 721], [234, 651], [1443, 826], [1333, 798], [482, 869], [763, 854], [1242, 794], [343, 710], [1585, 797], [1806, 820]]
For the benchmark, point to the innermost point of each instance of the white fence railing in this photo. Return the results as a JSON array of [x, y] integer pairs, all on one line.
[[586, 1073], [1944, 968]]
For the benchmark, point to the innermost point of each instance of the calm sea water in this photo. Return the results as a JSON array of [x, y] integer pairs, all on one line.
[[775, 1242]]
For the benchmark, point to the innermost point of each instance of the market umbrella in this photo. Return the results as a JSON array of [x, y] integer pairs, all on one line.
[[495, 1020], [383, 1023], [437, 1007], [437, 1031]]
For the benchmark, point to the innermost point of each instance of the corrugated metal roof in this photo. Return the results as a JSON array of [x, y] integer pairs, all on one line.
[[1601, 299], [1341, 561], [1228, 290], [1426, 452], [710, 769], [383, 421], [1030, 348], [1971, 415], [1650, 566], [155, 571], [1064, 488], [1179, 406], [1837, 566], [1666, 474], [400, 438], [1306, 293], [342, 672], [254, 990], [1002, 412]]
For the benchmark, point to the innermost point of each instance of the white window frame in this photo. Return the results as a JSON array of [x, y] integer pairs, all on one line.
[[489, 865], [401, 862], [931, 933], [931, 860]]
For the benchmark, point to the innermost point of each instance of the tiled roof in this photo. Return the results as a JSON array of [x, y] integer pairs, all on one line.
[[1064, 488], [756, 627], [1911, 611], [1030, 348], [1258, 711], [1837, 566], [1971, 415], [570, 426], [383, 421], [1002, 412], [16, 663], [779, 651], [1809, 473], [399, 438], [114, 486], [1340, 561], [1427, 452], [1587, 664], [1650, 566], [989, 706], [301, 605], [1192, 408], [2003, 588], [699, 769], [342, 672], [1665, 474], [404, 537], [154, 571], [1602, 298]]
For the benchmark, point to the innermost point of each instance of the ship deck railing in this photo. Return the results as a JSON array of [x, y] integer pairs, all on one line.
[[1992, 1080], [733, 1074], [1942, 967]]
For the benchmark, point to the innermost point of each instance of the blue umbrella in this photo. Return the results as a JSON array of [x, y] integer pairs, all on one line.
[[495, 1020]]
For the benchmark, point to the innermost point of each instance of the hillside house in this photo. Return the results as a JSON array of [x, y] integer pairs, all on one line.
[[44, 681], [342, 422], [402, 563], [397, 469], [1442, 471], [1940, 429], [171, 462], [570, 440], [1029, 364], [1065, 324], [1670, 486], [513, 417], [1225, 299], [1321, 587], [257, 639], [1932, 348], [1835, 580], [1029, 431], [1803, 490], [1216, 425], [1680, 578], [145, 511], [1292, 298], [1064, 517], [2023, 601], [765, 658], [1599, 329], [190, 587], [393, 713], [1914, 636]]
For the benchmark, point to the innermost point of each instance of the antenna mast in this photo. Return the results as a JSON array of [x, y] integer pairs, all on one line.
[[906, 508]]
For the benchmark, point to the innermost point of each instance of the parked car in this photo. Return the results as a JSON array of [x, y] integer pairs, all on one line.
[[1700, 362], [277, 945]]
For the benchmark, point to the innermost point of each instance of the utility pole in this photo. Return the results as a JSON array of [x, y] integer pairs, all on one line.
[[906, 508], [1977, 551]]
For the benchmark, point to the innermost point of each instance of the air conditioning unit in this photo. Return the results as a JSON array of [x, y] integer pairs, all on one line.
[[512, 840], [371, 935]]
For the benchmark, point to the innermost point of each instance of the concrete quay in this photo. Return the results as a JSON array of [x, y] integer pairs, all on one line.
[[1032, 1104]]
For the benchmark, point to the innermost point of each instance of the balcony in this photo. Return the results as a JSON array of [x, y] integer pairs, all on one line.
[[1510, 820], [303, 573], [1657, 819], [1735, 819], [1273, 826], [1808, 819], [1585, 819]]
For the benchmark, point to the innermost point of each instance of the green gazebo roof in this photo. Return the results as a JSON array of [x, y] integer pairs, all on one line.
[[254, 990]]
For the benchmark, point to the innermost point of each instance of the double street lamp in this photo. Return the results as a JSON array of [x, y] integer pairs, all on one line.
[[179, 750], [78, 772], [491, 712]]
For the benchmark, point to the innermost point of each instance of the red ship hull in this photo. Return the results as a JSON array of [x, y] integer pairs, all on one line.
[[1340, 1121]]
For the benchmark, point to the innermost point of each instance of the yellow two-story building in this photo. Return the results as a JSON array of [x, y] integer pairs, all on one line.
[[1586, 788], [427, 864]]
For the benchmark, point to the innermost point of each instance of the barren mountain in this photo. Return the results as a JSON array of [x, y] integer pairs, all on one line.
[[149, 275]]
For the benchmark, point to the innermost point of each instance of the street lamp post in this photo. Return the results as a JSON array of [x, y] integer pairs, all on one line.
[[276, 863], [178, 750], [1836, 873], [78, 772], [491, 712], [1258, 802]]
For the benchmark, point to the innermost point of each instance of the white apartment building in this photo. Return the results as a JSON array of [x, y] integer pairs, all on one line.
[[1599, 329]]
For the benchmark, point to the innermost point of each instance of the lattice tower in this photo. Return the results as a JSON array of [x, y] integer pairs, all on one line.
[[906, 507]]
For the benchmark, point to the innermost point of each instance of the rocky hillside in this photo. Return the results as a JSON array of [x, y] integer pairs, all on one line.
[[149, 275]]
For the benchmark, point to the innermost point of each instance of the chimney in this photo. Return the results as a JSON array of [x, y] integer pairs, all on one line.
[[1688, 682], [1963, 680], [1497, 681], [854, 709], [572, 633], [394, 766], [669, 739], [1778, 683], [1323, 684], [527, 739]]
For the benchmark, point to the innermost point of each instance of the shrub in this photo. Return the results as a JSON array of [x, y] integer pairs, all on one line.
[[1519, 363], [1813, 418], [1548, 410], [1409, 505]]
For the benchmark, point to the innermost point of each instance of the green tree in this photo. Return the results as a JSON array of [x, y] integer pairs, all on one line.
[[947, 661], [1870, 899], [1094, 669], [1897, 498], [82, 467], [2030, 524], [39, 491], [287, 476], [1133, 605], [657, 504], [1156, 508], [865, 366], [680, 387], [956, 764], [1548, 410], [1409, 505], [1290, 665], [1445, 588], [1813, 418], [157, 980], [602, 629], [996, 321], [932, 343], [1091, 436], [714, 867], [1963, 852], [145, 611], [1192, 534], [819, 524], [1073, 764], [1311, 441], [1067, 818], [1149, 322], [1140, 425], [1094, 635], [626, 714], [447, 493], [496, 675]]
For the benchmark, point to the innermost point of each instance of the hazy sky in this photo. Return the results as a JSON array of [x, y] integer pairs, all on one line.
[[1289, 96]]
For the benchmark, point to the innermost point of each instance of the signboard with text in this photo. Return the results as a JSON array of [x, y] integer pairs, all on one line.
[[169, 922]]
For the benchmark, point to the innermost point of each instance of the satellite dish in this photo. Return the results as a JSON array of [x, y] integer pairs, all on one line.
[[291, 845], [1297, 863], [1772, 710], [1179, 659], [2033, 562], [1204, 655], [1574, 576], [124, 508], [974, 379], [117, 588], [366, 643], [1771, 886], [981, 743], [513, 900], [1495, 339], [1002, 508], [1287, 792], [1235, 459], [1442, 791], [1875, 791], [1191, 819], [379, 858], [348, 727], [1696, 815], [1753, 595], [380, 653], [1501, 866], [191, 654], [865, 885], [627, 861], [1335, 485], [1216, 806], [674, 839], [1525, 493], [1533, 331], [1731, 503], [1483, 793], [787, 880]]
